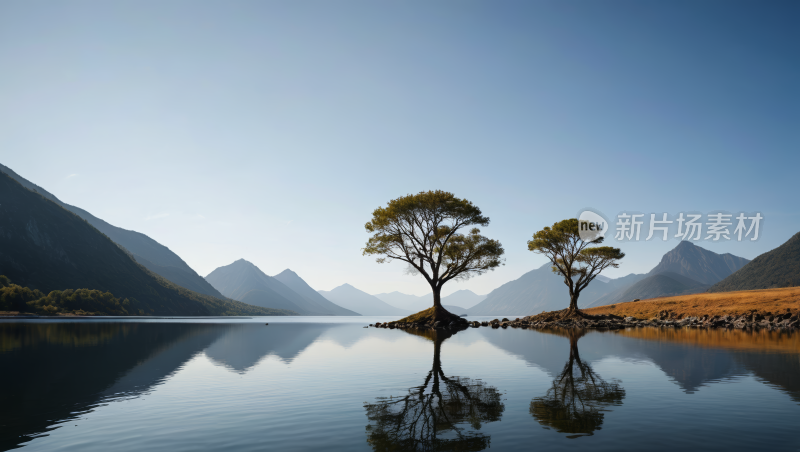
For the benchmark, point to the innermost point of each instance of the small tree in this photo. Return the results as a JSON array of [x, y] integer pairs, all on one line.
[[422, 230], [572, 257]]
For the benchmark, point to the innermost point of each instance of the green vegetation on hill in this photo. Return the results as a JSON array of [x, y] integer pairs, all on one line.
[[777, 268], [152, 255], [15, 298], [45, 247]]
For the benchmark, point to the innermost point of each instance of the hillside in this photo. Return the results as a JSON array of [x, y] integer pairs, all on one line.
[[661, 285], [687, 268], [296, 283], [152, 255], [242, 280], [777, 268], [463, 298], [539, 290], [699, 264], [700, 304], [361, 302], [45, 247]]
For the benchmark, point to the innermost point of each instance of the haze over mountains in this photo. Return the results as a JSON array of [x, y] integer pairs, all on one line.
[[242, 281], [46, 247], [462, 299], [361, 302], [685, 269]]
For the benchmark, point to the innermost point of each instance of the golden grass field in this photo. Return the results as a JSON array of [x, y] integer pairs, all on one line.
[[735, 303]]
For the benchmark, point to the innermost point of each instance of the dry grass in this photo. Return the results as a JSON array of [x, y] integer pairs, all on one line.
[[735, 303], [430, 314]]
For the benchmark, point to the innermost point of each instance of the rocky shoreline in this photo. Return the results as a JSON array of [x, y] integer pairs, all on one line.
[[787, 321]]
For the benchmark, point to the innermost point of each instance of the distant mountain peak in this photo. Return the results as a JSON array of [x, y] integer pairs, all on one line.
[[698, 263]]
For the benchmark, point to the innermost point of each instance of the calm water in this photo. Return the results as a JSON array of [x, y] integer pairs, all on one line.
[[329, 384]]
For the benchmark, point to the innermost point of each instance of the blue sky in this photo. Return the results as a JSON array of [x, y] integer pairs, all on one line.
[[270, 130]]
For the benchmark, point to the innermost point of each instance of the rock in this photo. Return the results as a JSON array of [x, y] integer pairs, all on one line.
[[437, 324], [630, 319]]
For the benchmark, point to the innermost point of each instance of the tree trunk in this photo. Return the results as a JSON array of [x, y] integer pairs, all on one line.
[[573, 302], [437, 297]]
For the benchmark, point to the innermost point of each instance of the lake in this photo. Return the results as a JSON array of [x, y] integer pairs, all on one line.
[[312, 383]]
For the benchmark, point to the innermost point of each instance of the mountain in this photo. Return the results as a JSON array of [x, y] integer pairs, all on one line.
[[777, 268], [154, 256], [660, 285], [242, 280], [296, 283], [699, 264], [361, 302], [46, 247], [463, 297], [685, 269], [412, 303], [418, 303], [457, 310], [536, 291]]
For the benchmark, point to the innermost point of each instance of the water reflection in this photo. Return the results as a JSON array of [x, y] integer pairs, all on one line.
[[578, 398], [444, 413], [55, 372]]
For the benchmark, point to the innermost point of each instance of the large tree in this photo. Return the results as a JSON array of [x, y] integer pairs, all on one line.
[[423, 230], [572, 257]]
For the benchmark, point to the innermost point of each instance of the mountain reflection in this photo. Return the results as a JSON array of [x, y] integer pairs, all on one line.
[[576, 402], [55, 372], [242, 348], [444, 413]]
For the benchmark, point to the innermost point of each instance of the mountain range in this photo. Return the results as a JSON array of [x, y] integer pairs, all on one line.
[[777, 268], [245, 282], [460, 300], [46, 247], [152, 255], [361, 302], [687, 268]]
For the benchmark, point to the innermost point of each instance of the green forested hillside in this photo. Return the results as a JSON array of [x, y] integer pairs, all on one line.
[[45, 247]]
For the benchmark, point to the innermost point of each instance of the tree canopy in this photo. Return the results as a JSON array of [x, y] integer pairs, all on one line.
[[423, 230], [572, 257]]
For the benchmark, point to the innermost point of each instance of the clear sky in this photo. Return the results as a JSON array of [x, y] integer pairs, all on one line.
[[269, 131]]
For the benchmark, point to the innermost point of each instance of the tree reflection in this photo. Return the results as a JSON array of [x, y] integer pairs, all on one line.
[[443, 414], [576, 402]]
